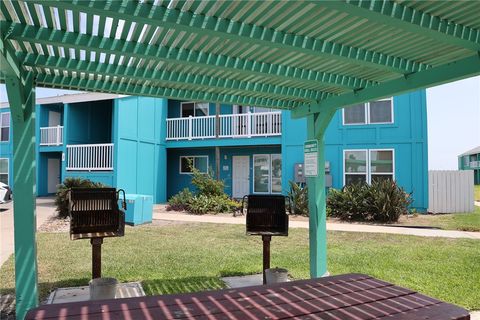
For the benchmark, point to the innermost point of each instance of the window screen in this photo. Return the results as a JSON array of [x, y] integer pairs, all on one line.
[[4, 170], [381, 111], [4, 126], [354, 114]]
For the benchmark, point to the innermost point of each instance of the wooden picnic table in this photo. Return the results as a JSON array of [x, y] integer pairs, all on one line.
[[349, 296]]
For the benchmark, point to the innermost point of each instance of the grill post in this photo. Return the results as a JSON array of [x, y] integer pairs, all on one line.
[[266, 255], [96, 257]]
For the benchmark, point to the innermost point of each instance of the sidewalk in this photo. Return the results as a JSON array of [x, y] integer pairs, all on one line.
[[45, 209], [348, 227]]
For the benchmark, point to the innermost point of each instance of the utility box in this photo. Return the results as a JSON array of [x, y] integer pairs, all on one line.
[[139, 209], [299, 174]]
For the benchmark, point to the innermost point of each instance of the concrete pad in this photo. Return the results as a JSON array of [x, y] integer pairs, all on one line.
[[475, 315], [243, 281], [75, 294]]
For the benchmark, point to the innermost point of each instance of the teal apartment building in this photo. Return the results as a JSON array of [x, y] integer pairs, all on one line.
[[143, 145], [470, 160]]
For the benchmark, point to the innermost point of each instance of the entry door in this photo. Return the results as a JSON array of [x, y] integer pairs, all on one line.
[[54, 118], [241, 176], [53, 175]]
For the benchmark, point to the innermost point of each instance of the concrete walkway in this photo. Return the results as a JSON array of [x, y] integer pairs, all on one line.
[[349, 227], [45, 209]]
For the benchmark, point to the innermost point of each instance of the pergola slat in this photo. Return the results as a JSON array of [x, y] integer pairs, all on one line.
[[411, 20], [236, 31]]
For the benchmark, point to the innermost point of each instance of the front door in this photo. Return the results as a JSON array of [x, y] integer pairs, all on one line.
[[53, 175], [241, 176]]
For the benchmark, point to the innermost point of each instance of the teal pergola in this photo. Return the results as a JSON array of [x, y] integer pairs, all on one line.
[[311, 57]]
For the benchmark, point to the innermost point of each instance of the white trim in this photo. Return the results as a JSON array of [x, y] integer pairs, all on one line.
[[194, 108], [180, 163], [356, 173], [9, 126], [368, 170], [367, 114], [8, 169], [269, 173], [380, 173]]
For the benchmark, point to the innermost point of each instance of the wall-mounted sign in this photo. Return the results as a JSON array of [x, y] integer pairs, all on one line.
[[310, 152]]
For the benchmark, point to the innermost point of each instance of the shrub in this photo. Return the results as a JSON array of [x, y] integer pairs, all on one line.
[[298, 199], [61, 197], [209, 196], [382, 201], [180, 201]]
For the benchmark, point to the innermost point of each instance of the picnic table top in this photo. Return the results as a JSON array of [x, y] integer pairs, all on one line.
[[348, 296]]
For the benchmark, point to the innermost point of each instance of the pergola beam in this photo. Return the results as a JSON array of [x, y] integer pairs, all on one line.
[[143, 89], [244, 67], [170, 78], [171, 18], [460, 69], [394, 14]]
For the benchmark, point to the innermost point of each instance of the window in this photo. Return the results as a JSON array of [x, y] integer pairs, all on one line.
[[4, 170], [374, 112], [194, 109], [267, 173], [199, 162], [368, 165], [466, 161], [5, 126]]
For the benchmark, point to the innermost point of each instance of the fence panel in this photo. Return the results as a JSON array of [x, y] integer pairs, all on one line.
[[450, 191]]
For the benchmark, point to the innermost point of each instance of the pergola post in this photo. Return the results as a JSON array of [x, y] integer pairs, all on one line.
[[316, 126], [21, 97]]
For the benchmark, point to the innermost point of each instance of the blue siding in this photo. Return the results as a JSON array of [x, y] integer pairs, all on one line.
[[90, 122], [139, 135]]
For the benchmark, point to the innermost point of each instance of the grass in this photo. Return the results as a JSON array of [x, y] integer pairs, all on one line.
[[455, 221], [477, 192], [192, 257]]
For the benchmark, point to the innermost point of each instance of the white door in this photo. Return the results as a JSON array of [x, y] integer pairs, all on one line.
[[241, 176], [53, 175], [54, 118]]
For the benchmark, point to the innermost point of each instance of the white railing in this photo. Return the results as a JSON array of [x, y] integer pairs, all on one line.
[[90, 157], [51, 136], [230, 126], [474, 164]]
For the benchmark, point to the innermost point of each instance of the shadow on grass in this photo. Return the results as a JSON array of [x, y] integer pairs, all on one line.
[[181, 285]]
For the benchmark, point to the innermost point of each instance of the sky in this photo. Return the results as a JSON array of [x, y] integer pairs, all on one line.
[[453, 116]]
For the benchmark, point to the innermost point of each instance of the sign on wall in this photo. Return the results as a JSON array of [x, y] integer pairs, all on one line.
[[310, 152]]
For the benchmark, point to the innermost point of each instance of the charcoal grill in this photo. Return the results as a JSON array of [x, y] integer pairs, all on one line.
[[94, 215], [267, 217]]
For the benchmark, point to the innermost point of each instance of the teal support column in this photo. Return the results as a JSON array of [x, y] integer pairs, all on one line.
[[21, 97], [316, 126]]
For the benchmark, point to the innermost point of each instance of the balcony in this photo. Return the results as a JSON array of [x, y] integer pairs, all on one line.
[[90, 157], [246, 125], [474, 164], [51, 136]]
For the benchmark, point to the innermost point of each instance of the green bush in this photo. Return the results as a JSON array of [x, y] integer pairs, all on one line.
[[180, 201], [298, 199], [382, 201], [208, 198], [61, 197]]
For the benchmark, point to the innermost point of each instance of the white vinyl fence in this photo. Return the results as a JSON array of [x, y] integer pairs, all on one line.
[[450, 191]]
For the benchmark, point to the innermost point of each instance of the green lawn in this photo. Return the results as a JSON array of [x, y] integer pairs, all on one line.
[[183, 258], [477, 192], [455, 221]]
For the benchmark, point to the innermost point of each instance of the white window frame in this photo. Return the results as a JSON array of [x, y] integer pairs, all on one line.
[[367, 114], [180, 163], [3, 114], [368, 171], [269, 161], [8, 169], [194, 108], [356, 173], [380, 173], [271, 172]]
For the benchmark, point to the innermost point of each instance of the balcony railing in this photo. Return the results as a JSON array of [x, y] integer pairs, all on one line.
[[51, 136], [90, 157], [474, 164], [229, 126]]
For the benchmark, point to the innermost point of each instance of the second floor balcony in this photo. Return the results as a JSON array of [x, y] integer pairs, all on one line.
[[90, 157], [51, 136], [244, 125]]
